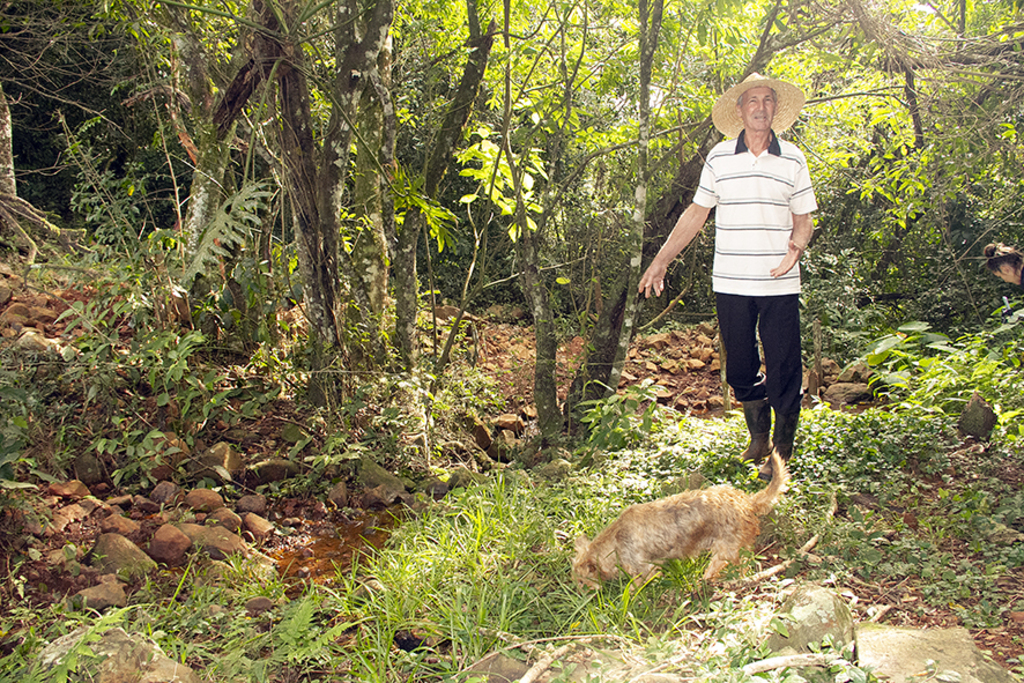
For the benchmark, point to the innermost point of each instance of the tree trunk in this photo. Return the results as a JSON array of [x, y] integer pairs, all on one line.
[[438, 161], [8, 185]]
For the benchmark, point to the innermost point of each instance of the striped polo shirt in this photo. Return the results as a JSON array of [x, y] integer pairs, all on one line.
[[756, 198]]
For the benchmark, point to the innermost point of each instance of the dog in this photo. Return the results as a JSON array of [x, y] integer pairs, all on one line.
[[721, 519]]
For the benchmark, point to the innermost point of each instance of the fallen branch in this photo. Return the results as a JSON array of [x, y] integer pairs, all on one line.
[[544, 663], [803, 551], [772, 663]]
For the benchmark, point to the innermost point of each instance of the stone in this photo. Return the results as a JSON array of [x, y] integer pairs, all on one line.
[[218, 542], [115, 554], [902, 654], [89, 469], [816, 613], [165, 493], [108, 593], [556, 470], [462, 477], [66, 515], [510, 422], [145, 505], [258, 526], [33, 341], [203, 500], [481, 434], [119, 524], [227, 519], [848, 394], [253, 502], [221, 462], [371, 475], [69, 489], [275, 470], [118, 656], [169, 545], [977, 418], [857, 373], [258, 605], [338, 495]]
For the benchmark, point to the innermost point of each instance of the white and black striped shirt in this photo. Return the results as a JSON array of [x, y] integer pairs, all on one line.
[[756, 198]]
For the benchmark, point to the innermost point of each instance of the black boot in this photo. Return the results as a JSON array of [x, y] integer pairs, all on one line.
[[758, 415], [782, 440]]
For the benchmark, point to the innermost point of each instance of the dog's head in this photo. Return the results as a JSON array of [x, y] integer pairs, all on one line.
[[584, 567]]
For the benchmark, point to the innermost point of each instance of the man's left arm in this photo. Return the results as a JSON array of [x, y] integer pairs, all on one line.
[[803, 229]]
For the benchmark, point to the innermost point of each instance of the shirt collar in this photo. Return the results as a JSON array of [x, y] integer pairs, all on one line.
[[773, 146]]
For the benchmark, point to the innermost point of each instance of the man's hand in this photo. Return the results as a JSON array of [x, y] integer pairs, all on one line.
[[653, 279], [788, 261]]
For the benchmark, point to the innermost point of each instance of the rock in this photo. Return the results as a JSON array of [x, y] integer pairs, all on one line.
[[898, 654], [115, 554], [464, 478], [221, 462], [69, 489], [512, 423], [108, 593], [259, 527], [977, 419], [33, 341], [227, 519], [171, 449], [258, 605], [66, 515], [816, 613], [556, 470], [203, 500], [857, 373], [252, 503], [169, 545], [371, 475], [1000, 534], [338, 495], [848, 394], [119, 524], [145, 505], [274, 470], [165, 493], [89, 469], [118, 656], [481, 434], [218, 542]]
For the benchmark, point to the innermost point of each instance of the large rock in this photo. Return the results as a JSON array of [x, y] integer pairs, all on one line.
[[217, 541], [903, 654], [169, 545], [372, 476], [115, 554], [275, 469], [815, 613], [847, 393], [977, 419], [117, 656], [221, 461], [204, 500], [109, 592]]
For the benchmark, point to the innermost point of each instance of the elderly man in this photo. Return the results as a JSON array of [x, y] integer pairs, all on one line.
[[761, 190]]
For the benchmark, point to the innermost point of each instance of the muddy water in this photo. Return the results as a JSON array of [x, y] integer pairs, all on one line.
[[319, 552]]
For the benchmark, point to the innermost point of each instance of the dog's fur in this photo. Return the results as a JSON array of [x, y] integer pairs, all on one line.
[[721, 519]]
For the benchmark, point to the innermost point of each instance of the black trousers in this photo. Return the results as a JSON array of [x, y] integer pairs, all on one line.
[[777, 318]]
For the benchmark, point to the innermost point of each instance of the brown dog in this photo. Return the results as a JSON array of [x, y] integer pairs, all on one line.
[[721, 519]]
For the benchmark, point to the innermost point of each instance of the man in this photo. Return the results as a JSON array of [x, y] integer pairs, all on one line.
[[761, 190]]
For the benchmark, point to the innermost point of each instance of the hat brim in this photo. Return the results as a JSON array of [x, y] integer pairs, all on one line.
[[789, 101]]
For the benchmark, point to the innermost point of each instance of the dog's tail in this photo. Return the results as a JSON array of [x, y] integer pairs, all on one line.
[[764, 500]]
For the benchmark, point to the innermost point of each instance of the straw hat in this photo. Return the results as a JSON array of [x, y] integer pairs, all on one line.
[[790, 99]]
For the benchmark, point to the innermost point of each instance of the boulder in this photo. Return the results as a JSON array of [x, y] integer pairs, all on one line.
[[254, 502], [849, 393], [977, 418], [227, 519], [115, 554], [204, 500], [169, 545], [259, 527], [109, 592], [218, 542], [118, 656], [813, 613], [165, 493], [274, 470], [898, 654], [221, 462]]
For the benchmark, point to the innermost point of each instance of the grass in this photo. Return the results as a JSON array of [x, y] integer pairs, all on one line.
[[486, 569]]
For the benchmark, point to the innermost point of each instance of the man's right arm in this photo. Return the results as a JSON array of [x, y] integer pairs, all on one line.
[[686, 228]]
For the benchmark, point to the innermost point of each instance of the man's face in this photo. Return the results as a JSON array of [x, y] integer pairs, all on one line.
[[757, 109]]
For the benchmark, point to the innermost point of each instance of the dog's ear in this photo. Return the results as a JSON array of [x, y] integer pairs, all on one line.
[[582, 543]]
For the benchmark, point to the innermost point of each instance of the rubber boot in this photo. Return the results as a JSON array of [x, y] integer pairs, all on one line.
[[782, 440], [758, 415]]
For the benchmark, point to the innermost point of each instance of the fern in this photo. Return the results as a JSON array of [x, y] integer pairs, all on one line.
[[235, 220]]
